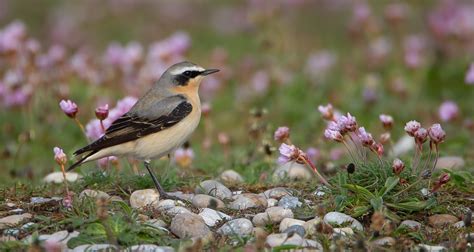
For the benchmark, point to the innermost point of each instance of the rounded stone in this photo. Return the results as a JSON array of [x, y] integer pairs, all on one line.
[[288, 222], [93, 194], [272, 202], [231, 177], [95, 248], [295, 229], [206, 201], [292, 171], [13, 220], [247, 200], [345, 231], [411, 224], [211, 217], [58, 177], [149, 248], [385, 241], [238, 227], [289, 202], [143, 198], [213, 188], [61, 237], [189, 225], [450, 162], [275, 240], [341, 218], [442, 220], [277, 193], [310, 226], [157, 223], [272, 215]]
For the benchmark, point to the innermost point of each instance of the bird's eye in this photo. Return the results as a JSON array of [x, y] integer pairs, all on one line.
[[187, 73]]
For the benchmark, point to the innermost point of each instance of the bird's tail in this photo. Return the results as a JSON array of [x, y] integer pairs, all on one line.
[[80, 161]]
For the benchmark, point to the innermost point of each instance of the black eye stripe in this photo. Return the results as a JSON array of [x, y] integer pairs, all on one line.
[[191, 73]]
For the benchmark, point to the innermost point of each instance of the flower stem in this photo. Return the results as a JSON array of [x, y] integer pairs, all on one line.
[[349, 150], [80, 126], [65, 180], [408, 187], [311, 165]]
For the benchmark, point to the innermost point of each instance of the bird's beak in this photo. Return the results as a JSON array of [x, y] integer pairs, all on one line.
[[209, 71]]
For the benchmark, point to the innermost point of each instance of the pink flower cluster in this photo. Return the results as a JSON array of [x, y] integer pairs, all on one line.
[[435, 133]]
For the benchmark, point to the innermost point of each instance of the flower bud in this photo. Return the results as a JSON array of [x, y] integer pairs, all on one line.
[[281, 134], [327, 111], [69, 108], [398, 166], [59, 156], [102, 112], [387, 121], [411, 127]]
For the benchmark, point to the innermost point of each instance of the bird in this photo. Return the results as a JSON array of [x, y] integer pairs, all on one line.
[[159, 122]]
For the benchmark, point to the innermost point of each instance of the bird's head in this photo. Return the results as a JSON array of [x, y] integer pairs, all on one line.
[[184, 76]]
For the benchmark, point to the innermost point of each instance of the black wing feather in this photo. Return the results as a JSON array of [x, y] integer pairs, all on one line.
[[131, 127]]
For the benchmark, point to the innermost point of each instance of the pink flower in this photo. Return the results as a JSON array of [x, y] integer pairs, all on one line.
[[67, 201], [184, 157], [387, 121], [411, 127], [281, 134], [313, 153], [59, 156], [398, 166], [206, 108], [385, 138], [104, 162], [289, 153], [319, 64], [443, 179], [69, 108], [94, 130], [421, 135], [365, 137], [378, 148], [448, 111], [223, 138], [326, 111], [347, 123], [470, 75], [436, 133], [102, 112], [333, 135]]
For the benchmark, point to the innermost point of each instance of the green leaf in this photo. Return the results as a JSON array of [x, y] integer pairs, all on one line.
[[360, 191], [391, 215], [341, 202], [360, 210], [412, 206], [390, 183], [377, 203]]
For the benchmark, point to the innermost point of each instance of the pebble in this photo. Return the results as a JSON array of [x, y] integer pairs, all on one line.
[[292, 171], [61, 237], [288, 222], [143, 198], [385, 241], [271, 202], [204, 200], [404, 145], [247, 200], [295, 229], [310, 226], [340, 218], [93, 194], [450, 162], [272, 215], [274, 240], [211, 217], [183, 196], [57, 177], [231, 177], [40, 200], [14, 220], [289, 202], [442, 220], [172, 212], [10, 204], [95, 248], [213, 188], [430, 248], [346, 231], [164, 205], [189, 225], [157, 223], [277, 193], [411, 224], [459, 224], [149, 248], [16, 211], [238, 227]]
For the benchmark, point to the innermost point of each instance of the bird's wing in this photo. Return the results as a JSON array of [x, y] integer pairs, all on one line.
[[135, 124]]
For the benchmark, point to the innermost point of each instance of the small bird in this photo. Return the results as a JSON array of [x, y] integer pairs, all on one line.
[[160, 121]]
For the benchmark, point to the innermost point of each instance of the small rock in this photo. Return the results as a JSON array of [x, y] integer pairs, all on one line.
[[459, 224], [10, 204], [425, 191], [149, 248], [450, 162], [57, 177], [340, 218], [206, 201], [430, 248], [346, 231], [27, 226], [247, 200], [289, 202], [172, 212], [238, 227], [93, 194], [143, 198], [211, 217], [16, 211], [188, 225], [288, 222], [231, 177], [277, 193], [274, 240], [385, 241], [292, 171], [61, 237], [442, 220], [295, 229], [272, 215], [39, 200], [271, 202], [310, 226], [13, 220], [214, 188], [183, 196], [164, 205], [95, 248], [411, 224], [157, 223], [403, 146]]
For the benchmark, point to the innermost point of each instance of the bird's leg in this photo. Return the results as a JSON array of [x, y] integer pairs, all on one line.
[[161, 191]]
